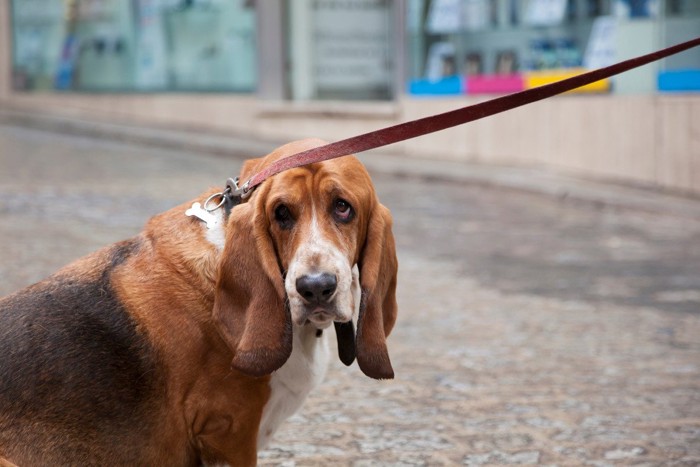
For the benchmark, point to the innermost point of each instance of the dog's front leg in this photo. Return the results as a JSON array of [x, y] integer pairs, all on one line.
[[223, 441]]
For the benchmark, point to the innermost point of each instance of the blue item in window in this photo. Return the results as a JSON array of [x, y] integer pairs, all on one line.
[[450, 85], [66, 64], [679, 80]]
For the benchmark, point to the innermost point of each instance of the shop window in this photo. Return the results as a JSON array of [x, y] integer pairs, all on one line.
[[502, 46], [680, 73], [139, 45], [340, 49]]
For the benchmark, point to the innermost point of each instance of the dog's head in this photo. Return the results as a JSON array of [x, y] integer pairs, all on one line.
[[311, 246]]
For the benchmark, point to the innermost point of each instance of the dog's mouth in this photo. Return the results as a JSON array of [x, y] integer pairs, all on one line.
[[320, 317]]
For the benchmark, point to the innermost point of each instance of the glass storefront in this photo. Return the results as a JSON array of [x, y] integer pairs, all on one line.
[[347, 49], [499, 46], [340, 49], [134, 45]]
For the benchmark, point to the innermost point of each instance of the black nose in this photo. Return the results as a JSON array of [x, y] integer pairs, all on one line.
[[317, 288]]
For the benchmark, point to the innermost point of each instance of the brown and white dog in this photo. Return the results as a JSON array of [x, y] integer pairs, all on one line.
[[190, 343]]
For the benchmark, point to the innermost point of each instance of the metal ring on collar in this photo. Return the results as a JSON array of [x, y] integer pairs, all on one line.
[[221, 203]]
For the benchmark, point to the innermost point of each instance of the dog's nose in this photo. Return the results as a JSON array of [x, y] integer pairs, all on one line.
[[317, 288]]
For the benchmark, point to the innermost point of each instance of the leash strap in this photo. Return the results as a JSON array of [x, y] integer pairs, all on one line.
[[423, 126]]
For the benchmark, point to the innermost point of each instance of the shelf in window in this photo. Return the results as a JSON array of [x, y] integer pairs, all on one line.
[[535, 79], [447, 86], [679, 80], [494, 84]]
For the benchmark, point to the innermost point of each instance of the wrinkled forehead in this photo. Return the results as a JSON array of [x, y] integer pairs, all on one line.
[[339, 178]]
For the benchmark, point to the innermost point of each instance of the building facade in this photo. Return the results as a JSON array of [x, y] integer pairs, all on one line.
[[334, 68]]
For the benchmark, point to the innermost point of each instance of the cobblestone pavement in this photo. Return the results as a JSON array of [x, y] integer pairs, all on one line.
[[531, 330]]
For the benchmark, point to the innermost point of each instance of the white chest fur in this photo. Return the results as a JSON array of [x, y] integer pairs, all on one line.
[[290, 385]]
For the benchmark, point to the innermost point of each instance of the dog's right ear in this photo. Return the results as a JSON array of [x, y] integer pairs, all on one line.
[[378, 309], [249, 302]]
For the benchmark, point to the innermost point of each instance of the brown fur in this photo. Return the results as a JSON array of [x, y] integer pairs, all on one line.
[[206, 328]]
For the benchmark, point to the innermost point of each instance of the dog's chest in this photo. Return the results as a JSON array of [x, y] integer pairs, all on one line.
[[290, 385]]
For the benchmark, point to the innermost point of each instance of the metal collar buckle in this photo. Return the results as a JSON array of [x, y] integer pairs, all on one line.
[[230, 197]]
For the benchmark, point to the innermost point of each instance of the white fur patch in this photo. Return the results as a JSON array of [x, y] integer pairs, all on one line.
[[290, 385], [356, 291], [319, 254], [216, 235]]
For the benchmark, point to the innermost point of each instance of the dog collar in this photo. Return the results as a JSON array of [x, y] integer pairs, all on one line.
[[229, 197]]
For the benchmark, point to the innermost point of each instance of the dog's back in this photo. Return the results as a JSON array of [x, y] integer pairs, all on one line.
[[74, 371]]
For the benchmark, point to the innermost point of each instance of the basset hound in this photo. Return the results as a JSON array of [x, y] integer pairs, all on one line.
[[190, 343]]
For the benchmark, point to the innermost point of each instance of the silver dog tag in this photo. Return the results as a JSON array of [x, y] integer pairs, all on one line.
[[202, 214]]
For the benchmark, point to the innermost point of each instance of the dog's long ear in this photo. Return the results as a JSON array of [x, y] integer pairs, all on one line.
[[249, 304], [378, 269]]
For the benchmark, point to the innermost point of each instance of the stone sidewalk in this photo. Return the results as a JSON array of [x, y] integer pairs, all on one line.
[[533, 329]]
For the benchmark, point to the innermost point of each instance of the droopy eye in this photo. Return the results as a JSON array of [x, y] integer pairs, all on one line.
[[342, 211], [284, 217]]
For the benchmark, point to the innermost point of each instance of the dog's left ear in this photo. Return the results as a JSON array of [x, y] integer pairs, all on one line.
[[378, 269], [249, 304]]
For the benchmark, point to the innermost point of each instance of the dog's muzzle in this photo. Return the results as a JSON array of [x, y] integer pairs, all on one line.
[[318, 291]]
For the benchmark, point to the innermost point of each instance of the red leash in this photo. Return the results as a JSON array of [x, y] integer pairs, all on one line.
[[423, 126]]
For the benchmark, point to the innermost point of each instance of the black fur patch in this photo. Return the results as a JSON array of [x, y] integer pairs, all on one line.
[[72, 358], [345, 334]]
